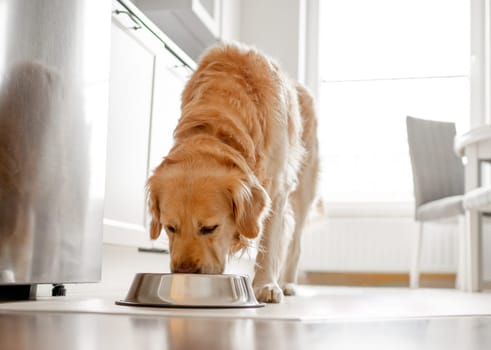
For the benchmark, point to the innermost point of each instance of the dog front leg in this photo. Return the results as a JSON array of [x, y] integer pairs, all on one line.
[[272, 250]]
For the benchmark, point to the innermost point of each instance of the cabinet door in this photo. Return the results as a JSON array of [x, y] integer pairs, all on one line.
[[169, 80], [130, 110]]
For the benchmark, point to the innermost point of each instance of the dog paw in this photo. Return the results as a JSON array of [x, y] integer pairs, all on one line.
[[269, 293], [289, 289]]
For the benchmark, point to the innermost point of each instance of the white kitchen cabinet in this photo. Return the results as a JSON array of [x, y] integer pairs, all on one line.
[[166, 107], [145, 85], [192, 24], [195, 24]]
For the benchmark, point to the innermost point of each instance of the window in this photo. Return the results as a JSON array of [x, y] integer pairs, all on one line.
[[380, 61]]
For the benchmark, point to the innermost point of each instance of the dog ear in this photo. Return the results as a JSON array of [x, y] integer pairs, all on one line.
[[250, 206], [153, 205]]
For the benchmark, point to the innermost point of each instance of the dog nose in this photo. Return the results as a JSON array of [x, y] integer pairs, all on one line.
[[186, 267]]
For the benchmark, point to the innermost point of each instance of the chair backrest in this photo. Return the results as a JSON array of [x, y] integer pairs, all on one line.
[[437, 171]]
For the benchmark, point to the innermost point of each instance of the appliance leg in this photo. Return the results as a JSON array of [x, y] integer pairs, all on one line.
[[58, 290]]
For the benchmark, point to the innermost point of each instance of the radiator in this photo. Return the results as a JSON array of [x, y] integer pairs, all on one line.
[[376, 245]]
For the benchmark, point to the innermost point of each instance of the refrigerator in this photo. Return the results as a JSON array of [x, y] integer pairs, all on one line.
[[54, 72]]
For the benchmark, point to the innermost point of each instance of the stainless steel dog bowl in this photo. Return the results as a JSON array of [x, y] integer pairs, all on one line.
[[190, 291]]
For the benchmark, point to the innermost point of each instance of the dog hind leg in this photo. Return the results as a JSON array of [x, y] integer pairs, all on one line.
[[302, 200], [305, 193]]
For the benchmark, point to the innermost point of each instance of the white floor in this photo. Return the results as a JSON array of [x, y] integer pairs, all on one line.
[[314, 303]]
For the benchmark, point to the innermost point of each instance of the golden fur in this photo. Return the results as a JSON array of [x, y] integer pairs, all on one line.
[[244, 165]]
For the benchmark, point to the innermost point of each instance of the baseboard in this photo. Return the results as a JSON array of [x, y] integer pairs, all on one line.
[[427, 280]]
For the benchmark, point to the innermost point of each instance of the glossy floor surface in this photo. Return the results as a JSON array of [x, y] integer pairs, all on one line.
[[317, 318], [29, 330]]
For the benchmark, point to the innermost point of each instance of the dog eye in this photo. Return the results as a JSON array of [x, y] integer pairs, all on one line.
[[206, 230], [171, 229]]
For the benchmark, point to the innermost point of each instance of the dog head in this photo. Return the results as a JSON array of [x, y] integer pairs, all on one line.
[[206, 213]]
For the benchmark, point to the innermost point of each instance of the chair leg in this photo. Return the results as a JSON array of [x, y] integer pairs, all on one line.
[[473, 251], [461, 278], [415, 259]]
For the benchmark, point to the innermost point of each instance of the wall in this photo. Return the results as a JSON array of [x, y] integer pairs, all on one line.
[[273, 26], [230, 20], [480, 70]]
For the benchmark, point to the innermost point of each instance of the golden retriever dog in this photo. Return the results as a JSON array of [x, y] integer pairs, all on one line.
[[243, 166]]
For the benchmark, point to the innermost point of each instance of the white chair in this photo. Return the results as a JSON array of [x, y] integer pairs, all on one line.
[[438, 179], [475, 145]]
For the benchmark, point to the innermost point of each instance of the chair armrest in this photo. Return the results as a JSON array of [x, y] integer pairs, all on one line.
[[480, 137], [478, 199]]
